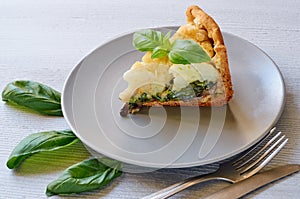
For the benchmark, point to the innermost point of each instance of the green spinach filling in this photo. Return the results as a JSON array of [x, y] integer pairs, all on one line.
[[194, 89]]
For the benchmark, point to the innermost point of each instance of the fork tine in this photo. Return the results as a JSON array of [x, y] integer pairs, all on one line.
[[265, 161], [241, 159], [247, 160], [261, 157]]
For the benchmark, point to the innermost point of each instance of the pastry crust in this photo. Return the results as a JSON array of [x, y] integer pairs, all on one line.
[[203, 29]]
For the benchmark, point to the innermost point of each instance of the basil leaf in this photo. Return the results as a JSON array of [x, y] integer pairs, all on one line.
[[85, 176], [159, 52], [166, 41], [187, 51], [147, 40], [33, 95], [38, 142]]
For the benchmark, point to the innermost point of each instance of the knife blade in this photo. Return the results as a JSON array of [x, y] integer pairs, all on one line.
[[243, 187]]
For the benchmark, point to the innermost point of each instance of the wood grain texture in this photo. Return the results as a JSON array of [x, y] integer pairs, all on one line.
[[43, 40]]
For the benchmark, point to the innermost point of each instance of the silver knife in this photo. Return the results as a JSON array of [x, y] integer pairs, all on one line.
[[243, 187]]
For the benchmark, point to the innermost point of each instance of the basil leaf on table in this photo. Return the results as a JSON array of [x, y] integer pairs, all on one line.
[[186, 52], [147, 40], [38, 142], [85, 176], [35, 96]]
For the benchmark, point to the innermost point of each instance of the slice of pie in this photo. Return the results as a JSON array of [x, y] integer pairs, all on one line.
[[170, 73]]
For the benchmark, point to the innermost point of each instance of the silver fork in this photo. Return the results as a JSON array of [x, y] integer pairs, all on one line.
[[236, 169]]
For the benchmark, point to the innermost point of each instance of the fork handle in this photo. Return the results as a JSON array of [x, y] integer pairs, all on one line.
[[177, 187]]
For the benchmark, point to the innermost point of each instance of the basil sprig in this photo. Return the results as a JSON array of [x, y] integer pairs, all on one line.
[[35, 96], [178, 52], [39, 142], [85, 176]]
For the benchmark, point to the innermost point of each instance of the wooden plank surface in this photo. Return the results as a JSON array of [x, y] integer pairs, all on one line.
[[43, 40]]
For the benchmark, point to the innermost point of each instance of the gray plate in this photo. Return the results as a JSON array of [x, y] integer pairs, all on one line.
[[171, 137]]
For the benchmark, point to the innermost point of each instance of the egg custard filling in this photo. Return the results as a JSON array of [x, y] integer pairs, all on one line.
[[162, 81]]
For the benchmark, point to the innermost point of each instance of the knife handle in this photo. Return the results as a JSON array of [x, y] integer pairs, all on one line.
[[244, 187]]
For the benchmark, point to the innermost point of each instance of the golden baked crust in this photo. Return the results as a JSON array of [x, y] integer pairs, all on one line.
[[203, 29]]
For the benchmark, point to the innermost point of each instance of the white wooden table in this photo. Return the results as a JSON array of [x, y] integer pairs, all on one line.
[[43, 40]]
